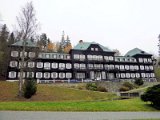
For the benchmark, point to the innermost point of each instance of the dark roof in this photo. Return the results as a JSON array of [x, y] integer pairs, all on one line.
[[136, 51], [29, 43], [85, 45]]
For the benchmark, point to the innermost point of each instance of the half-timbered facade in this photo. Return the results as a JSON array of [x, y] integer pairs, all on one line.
[[87, 60]]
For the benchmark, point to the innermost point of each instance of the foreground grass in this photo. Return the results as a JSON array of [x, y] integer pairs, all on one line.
[[116, 105]]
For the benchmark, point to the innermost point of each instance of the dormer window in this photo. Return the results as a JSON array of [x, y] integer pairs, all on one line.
[[92, 49]]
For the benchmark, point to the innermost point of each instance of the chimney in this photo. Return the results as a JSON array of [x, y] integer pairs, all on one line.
[[80, 41]]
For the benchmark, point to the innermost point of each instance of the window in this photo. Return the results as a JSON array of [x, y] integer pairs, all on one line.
[[76, 56], [68, 57], [137, 75], [38, 74], [54, 75], [111, 66], [152, 75], [61, 66], [82, 57], [61, 56], [13, 63], [89, 57], [80, 75], [143, 75], [24, 74], [12, 74], [131, 67], [100, 57], [127, 67], [31, 64], [96, 49], [92, 49], [20, 64], [25, 54], [90, 66], [127, 75], [68, 66], [132, 75], [121, 67], [82, 66], [47, 55], [54, 56], [47, 65], [151, 67], [141, 67], [39, 64], [145, 60], [30, 74], [140, 60], [110, 58], [106, 58], [146, 67], [136, 67], [76, 65], [14, 53], [46, 75], [117, 66], [32, 54], [54, 65], [61, 75], [149, 60], [122, 75], [68, 75]]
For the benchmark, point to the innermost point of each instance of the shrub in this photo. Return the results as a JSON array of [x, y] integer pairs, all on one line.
[[129, 85], [30, 88], [123, 88], [139, 81], [152, 94], [91, 86], [102, 89]]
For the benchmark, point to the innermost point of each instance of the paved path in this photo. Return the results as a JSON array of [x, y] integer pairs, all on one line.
[[24, 115]]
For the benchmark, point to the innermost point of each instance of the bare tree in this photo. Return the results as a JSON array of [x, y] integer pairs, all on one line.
[[27, 28]]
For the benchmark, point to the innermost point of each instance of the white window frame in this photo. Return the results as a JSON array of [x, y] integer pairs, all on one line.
[[14, 53], [38, 75], [47, 65], [54, 75], [32, 54], [46, 75], [54, 65], [12, 74], [39, 64], [13, 64]]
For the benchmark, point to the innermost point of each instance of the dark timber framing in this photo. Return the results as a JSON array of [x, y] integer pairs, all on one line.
[[86, 61]]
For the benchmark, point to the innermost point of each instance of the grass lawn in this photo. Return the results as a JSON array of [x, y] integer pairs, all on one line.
[[58, 98], [9, 90], [115, 105]]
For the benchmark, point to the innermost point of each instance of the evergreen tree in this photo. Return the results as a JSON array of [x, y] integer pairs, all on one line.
[[11, 39], [3, 51]]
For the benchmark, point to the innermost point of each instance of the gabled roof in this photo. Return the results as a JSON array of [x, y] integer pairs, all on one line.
[[136, 51], [29, 43], [85, 45]]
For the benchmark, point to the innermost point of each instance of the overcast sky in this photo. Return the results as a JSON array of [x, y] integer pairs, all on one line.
[[117, 24]]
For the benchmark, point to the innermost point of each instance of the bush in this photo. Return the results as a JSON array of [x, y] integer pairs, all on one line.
[[128, 84], [30, 88], [123, 88], [91, 86], [102, 89], [139, 81], [153, 95]]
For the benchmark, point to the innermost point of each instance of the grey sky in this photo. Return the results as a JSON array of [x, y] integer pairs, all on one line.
[[117, 24]]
